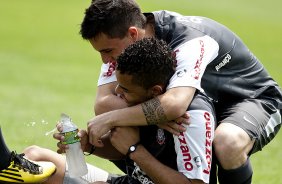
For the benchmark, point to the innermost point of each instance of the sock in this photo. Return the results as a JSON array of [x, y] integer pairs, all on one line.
[[241, 175], [5, 153]]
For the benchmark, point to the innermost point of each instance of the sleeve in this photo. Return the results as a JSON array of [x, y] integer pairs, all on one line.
[[107, 73], [192, 59], [194, 146]]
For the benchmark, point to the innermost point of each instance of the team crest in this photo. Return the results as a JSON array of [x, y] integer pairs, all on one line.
[[160, 136], [198, 161]]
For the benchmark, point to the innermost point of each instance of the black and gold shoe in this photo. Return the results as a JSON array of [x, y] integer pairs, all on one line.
[[23, 170]]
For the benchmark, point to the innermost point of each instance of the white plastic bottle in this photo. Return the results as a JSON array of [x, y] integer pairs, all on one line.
[[75, 159]]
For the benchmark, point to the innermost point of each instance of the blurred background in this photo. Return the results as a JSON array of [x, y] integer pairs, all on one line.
[[46, 68]]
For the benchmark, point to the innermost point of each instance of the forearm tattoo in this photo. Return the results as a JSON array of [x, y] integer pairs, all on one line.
[[154, 112]]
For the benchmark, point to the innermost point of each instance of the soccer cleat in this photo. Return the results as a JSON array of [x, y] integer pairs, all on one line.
[[22, 170]]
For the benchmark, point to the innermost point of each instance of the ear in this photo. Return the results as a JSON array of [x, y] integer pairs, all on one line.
[[133, 33], [156, 90]]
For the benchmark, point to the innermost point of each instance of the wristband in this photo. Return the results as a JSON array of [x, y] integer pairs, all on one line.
[[132, 149], [93, 148]]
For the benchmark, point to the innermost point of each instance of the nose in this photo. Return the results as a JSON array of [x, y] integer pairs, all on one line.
[[107, 58]]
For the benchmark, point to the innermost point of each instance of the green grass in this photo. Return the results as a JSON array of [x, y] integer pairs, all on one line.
[[46, 68]]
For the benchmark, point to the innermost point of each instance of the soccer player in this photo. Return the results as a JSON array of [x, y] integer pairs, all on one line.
[[148, 151], [151, 158], [15, 168], [210, 57]]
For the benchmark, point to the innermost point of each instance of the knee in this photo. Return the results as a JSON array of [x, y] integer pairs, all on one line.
[[32, 152], [231, 140], [231, 145], [225, 143]]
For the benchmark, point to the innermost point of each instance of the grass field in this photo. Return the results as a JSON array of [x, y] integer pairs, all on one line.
[[46, 68]]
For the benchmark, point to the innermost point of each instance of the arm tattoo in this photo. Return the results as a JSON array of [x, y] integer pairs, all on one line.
[[154, 112]]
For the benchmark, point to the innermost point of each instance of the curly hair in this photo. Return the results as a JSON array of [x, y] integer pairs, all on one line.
[[111, 17], [149, 61]]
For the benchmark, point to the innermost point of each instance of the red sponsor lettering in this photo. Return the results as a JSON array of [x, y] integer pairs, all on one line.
[[185, 152], [208, 144], [174, 56], [111, 69], [199, 61]]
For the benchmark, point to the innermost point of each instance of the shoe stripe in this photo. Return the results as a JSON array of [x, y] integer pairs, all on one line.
[[9, 173], [14, 170], [11, 178]]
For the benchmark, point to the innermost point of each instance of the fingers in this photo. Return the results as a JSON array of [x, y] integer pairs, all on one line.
[[59, 126], [94, 139], [184, 119], [82, 133], [186, 115], [62, 147], [58, 136], [178, 127], [173, 131], [173, 128], [94, 135]]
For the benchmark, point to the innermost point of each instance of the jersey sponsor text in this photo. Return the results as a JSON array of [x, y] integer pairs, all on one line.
[[208, 144], [185, 152], [111, 69], [226, 60], [197, 67]]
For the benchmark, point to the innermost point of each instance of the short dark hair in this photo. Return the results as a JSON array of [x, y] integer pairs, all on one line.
[[150, 62], [111, 17]]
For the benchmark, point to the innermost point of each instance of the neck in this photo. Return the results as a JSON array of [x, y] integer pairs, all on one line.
[[149, 30]]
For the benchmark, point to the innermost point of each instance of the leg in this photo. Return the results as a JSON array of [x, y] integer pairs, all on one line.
[[42, 154], [5, 153], [245, 128], [37, 153], [15, 168], [232, 153], [232, 145]]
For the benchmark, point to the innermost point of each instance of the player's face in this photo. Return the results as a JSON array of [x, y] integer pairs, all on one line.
[[110, 48], [131, 93]]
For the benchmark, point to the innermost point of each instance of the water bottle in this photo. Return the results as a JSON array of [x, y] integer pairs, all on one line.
[[75, 159]]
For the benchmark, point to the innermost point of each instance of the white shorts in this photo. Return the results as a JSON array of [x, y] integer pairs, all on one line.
[[94, 174]]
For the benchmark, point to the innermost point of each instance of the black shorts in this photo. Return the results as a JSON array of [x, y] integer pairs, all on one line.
[[259, 118]]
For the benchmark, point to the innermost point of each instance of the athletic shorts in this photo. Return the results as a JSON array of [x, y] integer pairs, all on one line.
[[194, 146], [259, 118], [94, 174]]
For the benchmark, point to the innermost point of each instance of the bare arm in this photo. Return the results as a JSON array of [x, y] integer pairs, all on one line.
[[107, 100], [108, 151], [158, 172], [169, 106], [123, 137]]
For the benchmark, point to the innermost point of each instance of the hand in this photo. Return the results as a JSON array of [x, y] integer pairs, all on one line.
[[84, 140], [97, 127], [60, 137], [124, 137], [85, 145], [176, 126]]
